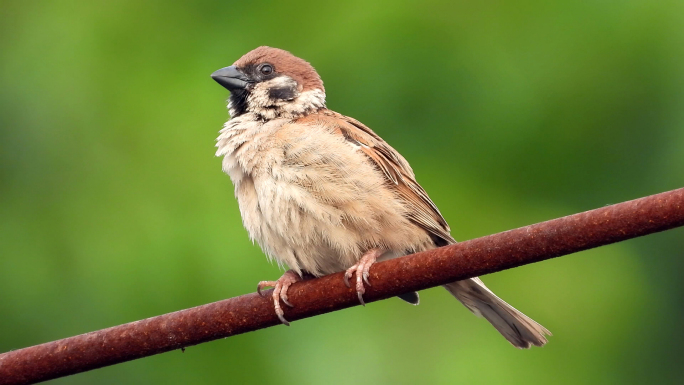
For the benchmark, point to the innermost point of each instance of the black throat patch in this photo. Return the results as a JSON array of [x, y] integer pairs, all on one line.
[[238, 102]]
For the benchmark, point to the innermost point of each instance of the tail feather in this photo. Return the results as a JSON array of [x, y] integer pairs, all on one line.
[[411, 298], [519, 329]]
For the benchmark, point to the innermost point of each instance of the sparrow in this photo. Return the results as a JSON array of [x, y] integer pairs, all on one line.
[[322, 193]]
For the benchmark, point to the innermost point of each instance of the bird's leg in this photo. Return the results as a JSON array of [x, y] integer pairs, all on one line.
[[362, 268], [280, 292]]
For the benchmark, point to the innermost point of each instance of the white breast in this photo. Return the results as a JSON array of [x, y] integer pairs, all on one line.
[[309, 198]]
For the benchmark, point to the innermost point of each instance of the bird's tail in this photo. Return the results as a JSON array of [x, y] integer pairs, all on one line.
[[519, 329]]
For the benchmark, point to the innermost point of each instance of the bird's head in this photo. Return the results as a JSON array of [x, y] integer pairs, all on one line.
[[271, 83]]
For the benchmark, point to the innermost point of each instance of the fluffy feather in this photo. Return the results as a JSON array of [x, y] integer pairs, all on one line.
[[318, 189]]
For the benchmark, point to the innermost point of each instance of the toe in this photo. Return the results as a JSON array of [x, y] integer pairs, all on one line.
[[347, 275], [283, 296], [360, 295], [366, 274], [360, 289], [276, 303], [281, 317], [262, 285]]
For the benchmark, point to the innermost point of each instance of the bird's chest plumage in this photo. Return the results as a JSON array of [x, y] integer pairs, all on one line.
[[250, 158], [307, 197]]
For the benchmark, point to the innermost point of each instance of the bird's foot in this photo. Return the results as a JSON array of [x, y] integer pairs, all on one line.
[[280, 292], [361, 269]]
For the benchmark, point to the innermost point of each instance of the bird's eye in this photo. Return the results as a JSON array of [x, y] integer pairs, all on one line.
[[266, 69]]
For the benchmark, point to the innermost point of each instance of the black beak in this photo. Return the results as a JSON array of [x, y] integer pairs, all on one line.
[[231, 78]]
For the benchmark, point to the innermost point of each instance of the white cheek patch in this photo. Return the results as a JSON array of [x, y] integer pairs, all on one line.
[[260, 95], [262, 103]]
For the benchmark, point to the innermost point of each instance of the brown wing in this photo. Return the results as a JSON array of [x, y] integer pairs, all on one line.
[[423, 211]]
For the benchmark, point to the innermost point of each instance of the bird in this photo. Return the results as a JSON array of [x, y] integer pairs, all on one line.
[[322, 193]]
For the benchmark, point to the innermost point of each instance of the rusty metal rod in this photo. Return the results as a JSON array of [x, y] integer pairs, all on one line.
[[419, 271]]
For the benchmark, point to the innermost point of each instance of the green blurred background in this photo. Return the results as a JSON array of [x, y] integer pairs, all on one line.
[[113, 207]]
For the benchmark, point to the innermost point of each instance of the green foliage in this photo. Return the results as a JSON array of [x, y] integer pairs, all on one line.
[[113, 207]]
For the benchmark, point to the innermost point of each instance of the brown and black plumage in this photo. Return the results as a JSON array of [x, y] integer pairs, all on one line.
[[322, 193]]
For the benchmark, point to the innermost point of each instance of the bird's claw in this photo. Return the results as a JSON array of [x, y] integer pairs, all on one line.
[[347, 275], [362, 270], [280, 288]]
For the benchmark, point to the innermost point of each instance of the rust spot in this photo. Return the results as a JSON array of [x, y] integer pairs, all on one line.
[[419, 271]]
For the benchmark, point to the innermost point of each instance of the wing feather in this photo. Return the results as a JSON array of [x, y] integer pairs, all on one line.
[[422, 211]]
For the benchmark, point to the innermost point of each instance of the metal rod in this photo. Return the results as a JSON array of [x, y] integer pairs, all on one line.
[[419, 271]]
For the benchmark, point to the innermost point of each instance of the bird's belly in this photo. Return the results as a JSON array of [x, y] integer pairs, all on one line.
[[317, 207], [295, 229]]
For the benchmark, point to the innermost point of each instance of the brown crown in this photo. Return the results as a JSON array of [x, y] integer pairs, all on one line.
[[285, 63]]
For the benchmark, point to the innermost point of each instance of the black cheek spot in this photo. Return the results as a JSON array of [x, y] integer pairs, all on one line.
[[286, 93]]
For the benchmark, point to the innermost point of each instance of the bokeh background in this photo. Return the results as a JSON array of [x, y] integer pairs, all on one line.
[[113, 207]]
